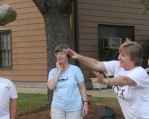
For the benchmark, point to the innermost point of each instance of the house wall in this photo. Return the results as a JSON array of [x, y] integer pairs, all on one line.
[[29, 55], [112, 12]]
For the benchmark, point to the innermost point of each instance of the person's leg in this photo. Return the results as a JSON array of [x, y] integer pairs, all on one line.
[[74, 115], [57, 114]]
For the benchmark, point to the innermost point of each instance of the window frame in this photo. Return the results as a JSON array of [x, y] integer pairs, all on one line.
[[8, 65], [103, 31]]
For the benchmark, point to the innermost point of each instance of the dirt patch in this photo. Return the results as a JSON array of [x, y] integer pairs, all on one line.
[[43, 113]]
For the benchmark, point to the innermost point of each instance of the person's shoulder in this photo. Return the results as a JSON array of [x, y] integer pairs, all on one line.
[[5, 80], [112, 62], [115, 61], [140, 69], [74, 66], [53, 69]]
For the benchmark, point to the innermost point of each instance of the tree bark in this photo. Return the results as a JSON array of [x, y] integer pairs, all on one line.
[[56, 14]]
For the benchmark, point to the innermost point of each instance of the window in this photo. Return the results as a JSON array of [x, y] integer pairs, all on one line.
[[5, 49], [110, 38], [112, 42]]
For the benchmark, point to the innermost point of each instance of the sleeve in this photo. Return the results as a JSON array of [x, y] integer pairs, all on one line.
[[79, 75], [13, 91], [111, 67], [52, 73]]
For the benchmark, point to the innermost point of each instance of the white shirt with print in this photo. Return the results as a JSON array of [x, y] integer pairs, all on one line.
[[134, 100]]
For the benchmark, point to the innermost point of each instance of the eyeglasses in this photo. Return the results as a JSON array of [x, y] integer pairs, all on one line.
[[59, 53]]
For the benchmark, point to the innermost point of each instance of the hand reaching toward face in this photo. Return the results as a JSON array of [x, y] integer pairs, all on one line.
[[60, 66], [71, 53]]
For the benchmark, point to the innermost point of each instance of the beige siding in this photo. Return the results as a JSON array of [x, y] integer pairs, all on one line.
[[112, 12], [29, 56]]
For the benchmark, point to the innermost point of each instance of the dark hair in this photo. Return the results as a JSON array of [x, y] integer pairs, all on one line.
[[135, 51], [61, 47]]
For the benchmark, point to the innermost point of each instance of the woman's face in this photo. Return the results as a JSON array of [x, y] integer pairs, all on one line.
[[61, 57], [125, 60]]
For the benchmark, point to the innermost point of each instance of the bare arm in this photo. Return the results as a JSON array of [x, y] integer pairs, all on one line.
[[116, 81], [84, 97], [53, 82], [121, 81], [86, 61], [13, 108]]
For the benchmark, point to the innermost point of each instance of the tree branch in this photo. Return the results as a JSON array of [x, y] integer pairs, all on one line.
[[43, 5]]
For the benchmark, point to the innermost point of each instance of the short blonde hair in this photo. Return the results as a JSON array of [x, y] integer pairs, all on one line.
[[135, 51]]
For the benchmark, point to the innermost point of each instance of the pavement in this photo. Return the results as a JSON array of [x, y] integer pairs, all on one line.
[[93, 92], [101, 93], [32, 90]]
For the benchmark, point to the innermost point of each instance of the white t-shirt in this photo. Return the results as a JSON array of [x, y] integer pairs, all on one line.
[[134, 100], [7, 92]]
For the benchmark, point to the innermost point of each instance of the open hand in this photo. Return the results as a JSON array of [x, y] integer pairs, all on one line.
[[71, 53], [100, 76]]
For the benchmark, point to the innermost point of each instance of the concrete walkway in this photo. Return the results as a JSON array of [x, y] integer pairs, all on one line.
[[32, 90], [94, 93], [101, 93]]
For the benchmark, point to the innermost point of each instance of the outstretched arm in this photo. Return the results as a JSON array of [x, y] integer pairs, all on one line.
[[86, 61], [116, 81]]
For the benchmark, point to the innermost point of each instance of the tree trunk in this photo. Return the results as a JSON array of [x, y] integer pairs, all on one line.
[[56, 14]]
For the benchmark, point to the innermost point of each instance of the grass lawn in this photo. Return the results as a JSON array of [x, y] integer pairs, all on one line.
[[33, 101]]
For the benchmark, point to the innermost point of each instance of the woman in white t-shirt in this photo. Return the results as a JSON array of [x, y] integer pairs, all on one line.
[[67, 81], [130, 82], [8, 99]]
